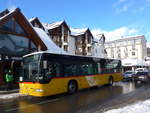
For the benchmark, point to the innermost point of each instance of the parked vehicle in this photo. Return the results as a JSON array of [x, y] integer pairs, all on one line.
[[128, 75], [142, 76], [140, 70]]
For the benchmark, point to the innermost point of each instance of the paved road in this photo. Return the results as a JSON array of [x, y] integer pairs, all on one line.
[[78, 103]]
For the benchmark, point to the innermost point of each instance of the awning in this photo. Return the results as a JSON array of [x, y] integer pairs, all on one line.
[[134, 62]]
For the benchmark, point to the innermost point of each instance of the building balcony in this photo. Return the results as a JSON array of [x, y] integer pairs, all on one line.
[[89, 45], [78, 42], [65, 43], [78, 52], [89, 54]]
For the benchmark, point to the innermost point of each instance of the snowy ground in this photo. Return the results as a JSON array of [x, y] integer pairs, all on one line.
[[11, 96], [139, 107]]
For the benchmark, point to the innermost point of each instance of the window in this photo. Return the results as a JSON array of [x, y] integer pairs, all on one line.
[[12, 26], [53, 70], [85, 69], [119, 52], [65, 38], [112, 52], [80, 69], [89, 49], [70, 70], [89, 40], [18, 28], [8, 26], [66, 47], [133, 53], [126, 52], [109, 66], [13, 45], [33, 47]]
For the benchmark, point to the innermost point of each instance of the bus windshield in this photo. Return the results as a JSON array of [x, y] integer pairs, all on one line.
[[31, 70]]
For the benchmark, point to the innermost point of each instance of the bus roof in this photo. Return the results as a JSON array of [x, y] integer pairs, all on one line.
[[42, 52]]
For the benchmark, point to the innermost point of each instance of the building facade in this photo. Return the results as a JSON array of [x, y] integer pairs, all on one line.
[[128, 48], [98, 47], [132, 47], [59, 32], [83, 41]]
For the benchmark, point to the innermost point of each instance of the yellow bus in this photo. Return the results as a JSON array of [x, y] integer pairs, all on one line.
[[46, 74]]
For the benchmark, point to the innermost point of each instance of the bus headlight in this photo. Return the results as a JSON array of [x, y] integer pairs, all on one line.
[[39, 90]]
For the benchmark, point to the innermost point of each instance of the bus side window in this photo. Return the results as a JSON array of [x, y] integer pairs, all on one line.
[[91, 69], [103, 66], [85, 69], [80, 70], [53, 70], [94, 68], [99, 68], [70, 70]]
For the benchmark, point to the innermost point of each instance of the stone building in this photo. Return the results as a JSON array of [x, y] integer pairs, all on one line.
[[132, 48]]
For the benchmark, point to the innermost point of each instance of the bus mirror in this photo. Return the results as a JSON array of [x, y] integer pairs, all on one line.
[[45, 64]]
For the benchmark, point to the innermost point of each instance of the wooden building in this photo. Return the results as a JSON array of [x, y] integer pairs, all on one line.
[[36, 23], [59, 32], [83, 41], [17, 38]]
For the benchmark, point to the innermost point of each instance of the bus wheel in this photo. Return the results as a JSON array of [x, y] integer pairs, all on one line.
[[72, 87], [110, 81]]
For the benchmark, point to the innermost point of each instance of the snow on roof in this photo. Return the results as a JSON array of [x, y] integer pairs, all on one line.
[[134, 62], [53, 25], [10, 12], [31, 19], [99, 37], [51, 46], [76, 31], [138, 107], [124, 38]]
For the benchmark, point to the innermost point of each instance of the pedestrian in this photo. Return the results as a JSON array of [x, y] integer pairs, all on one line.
[[9, 80]]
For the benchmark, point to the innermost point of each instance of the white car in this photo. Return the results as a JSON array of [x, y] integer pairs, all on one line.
[[140, 70]]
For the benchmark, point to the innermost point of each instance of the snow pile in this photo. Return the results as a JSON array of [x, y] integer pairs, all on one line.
[[10, 96], [51, 46], [76, 32], [140, 107]]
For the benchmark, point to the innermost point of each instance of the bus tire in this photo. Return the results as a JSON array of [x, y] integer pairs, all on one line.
[[72, 87], [110, 80]]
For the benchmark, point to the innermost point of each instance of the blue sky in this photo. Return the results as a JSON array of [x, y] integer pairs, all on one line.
[[114, 18]]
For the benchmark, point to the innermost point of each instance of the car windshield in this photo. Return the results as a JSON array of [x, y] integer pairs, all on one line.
[[139, 69], [129, 72], [142, 73]]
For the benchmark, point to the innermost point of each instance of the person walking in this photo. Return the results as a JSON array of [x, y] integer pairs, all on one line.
[[9, 80]]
